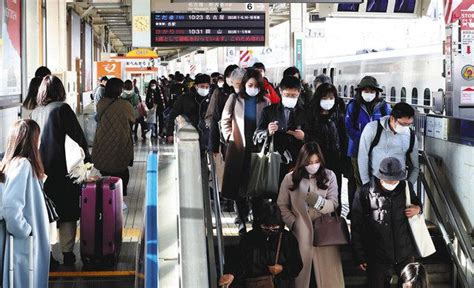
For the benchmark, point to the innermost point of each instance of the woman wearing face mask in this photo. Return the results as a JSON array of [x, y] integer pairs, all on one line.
[[242, 113], [258, 249], [368, 106], [306, 194], [132, 97], [285, 122], [156, 102], [325, 125]]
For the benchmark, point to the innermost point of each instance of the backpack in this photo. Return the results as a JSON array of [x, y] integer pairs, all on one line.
[[356, 111], [377, 139]]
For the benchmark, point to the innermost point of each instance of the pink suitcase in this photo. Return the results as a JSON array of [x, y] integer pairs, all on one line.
[[101, 221]]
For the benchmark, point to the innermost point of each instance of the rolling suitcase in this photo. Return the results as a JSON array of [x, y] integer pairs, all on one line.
[[101, 221]]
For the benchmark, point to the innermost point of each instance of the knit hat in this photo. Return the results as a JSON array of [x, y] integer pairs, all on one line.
[[390, 169], [368, 82]]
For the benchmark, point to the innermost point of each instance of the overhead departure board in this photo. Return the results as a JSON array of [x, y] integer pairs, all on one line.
[[208, 29]]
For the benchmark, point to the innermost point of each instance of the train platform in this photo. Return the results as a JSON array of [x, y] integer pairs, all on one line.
[[123, 273]]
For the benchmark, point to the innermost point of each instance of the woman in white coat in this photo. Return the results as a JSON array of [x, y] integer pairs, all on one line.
[[23, 208], [305, 195]]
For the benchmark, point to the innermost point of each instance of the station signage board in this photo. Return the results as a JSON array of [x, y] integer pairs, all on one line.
[[208, 29]]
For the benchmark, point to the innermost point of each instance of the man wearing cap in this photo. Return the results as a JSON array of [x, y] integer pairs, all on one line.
[[381, 236], [389, 136]]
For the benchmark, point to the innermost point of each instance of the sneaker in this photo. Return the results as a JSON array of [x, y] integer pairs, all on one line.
[[242, 229], [124, 206], [69, 259]]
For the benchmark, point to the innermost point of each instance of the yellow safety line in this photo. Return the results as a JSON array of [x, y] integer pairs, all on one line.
[[91, 274]]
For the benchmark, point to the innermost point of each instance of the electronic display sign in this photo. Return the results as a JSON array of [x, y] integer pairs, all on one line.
[[208, 29]]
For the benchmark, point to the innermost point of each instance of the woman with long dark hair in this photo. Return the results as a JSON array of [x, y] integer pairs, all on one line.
[[325, 125], [56, 120], [306, 194], [23, 208], [156, 103], [240, 118]]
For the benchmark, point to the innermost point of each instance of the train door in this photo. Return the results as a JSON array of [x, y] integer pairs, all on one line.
[[332, 73]]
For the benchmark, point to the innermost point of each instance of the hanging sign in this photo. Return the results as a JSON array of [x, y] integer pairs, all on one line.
[[110, 69]]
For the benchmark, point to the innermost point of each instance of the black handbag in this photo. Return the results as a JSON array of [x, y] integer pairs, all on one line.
[[50, 207], [330, 231]]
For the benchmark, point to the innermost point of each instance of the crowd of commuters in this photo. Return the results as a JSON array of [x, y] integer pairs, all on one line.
[[319, 138]]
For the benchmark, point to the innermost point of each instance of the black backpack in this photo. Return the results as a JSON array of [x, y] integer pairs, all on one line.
[[377, 139]]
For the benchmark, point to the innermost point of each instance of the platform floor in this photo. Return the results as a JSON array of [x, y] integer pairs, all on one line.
[[123, 273]]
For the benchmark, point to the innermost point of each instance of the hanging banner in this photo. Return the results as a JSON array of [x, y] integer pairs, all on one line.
[[299, 51]]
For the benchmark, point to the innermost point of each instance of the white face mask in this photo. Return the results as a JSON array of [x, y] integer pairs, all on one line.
[[389, 187], [368, 97], [252, 92], [203, 92], [327, 104], [228, 81], [153, 87], [289, 102], [220, 84], [404, 130], [313, 168], [128, 92], [237, 90]]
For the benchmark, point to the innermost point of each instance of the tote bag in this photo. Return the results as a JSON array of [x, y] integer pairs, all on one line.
[[264, 172], [420, 232]]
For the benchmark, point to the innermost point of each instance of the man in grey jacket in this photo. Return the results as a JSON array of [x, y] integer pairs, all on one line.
[[389, 137]]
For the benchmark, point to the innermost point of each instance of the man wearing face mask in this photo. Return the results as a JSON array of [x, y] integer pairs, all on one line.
[[366, 107], [381, 236], [285, 122], [193, 106], [390, 136]]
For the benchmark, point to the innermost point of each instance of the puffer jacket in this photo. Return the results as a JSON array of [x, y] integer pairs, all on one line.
[[380, 229], [354, 128]]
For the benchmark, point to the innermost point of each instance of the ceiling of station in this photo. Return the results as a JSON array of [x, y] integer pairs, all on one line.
[[116, 18]]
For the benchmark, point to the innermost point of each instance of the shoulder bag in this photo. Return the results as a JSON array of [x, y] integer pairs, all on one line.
[[330, 230], [419, 230], [264, 281]]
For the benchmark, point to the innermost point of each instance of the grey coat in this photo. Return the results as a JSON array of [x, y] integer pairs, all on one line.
[[24, 212], [390, 145]]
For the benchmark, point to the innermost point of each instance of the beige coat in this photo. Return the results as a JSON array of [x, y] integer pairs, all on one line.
[[326, 260], [232, 127]]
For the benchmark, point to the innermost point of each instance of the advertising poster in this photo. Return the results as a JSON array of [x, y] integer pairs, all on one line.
[[10, 52]]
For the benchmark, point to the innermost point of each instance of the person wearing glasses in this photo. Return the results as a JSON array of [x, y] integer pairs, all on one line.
[[390, 136]]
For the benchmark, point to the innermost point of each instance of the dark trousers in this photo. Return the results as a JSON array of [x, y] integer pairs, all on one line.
[[380, 274], [139, 121], [124, 175], [243, 210], [160, 120]]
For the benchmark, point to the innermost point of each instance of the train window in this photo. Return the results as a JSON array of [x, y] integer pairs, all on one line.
[[352, 92], [414, 96], [316, 72], [339, 90], [325, 71], [393, 94], [403, 95], [331, 75], [427, 99], [345, 91], [340, 72], [384, 92]]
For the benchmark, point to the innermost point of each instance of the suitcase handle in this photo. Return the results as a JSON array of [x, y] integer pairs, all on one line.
[[11, 269]]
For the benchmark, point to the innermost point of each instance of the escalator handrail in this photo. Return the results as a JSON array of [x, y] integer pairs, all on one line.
[[453, 214]]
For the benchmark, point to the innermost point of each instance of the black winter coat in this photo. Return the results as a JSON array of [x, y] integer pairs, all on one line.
[[176, 91], [380, 229], [56, 120], [215, 132], [257, 251], [282, 141], [329, 132], [156, 97], [193, 107]]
